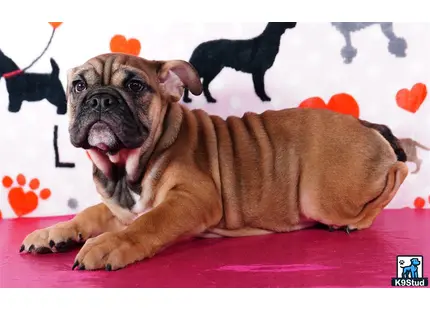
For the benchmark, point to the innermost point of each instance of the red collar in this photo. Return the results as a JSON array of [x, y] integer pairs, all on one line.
[[13, 73]]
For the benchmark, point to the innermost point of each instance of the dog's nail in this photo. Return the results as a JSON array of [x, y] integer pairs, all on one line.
[[75, 265], [82, 267], [347, 229], [31, 248], [22, 248], [80, 237], [108, 267], [330, 229], [51, 243]]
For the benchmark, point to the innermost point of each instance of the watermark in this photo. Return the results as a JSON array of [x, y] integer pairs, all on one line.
[[410, 271]]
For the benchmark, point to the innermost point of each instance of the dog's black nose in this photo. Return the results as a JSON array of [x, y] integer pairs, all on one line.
[[103, 102]]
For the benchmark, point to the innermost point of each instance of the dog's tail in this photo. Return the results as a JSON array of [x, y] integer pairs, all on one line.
[[388, 135], [55, 68], [421, 145]]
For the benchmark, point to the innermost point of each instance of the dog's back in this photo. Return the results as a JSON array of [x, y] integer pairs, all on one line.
[[246, 55], [222, 52], [278, 166]]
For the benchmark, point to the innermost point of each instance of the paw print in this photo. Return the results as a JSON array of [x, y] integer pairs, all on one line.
[[419, 203], [24, 202]]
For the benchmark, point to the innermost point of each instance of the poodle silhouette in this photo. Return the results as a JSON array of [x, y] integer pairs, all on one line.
[[254, 56], [396, 45], [32, 86], [411, 271]]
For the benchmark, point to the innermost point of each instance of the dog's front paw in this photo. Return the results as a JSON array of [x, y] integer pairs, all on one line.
[[348, 53], [346, 229], [110, 251], [57, 238], [265, 98], [398, 46]]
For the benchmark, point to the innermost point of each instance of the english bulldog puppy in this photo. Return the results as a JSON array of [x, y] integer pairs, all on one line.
[[165, 172]]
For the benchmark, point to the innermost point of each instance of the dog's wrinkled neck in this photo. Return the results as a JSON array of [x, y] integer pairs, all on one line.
[[171, 126], [115, 180]]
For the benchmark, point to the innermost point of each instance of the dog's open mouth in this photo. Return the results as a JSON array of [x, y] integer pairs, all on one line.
[[102, 138]]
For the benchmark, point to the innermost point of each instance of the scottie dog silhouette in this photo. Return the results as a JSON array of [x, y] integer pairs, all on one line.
[[396, 45], [32, 86], [254, 56]]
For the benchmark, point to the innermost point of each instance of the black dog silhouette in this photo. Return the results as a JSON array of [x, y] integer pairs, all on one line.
[[254, 56], [32, 86]]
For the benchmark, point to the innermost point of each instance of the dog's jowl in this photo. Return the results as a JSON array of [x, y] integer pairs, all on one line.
[[166, 172]]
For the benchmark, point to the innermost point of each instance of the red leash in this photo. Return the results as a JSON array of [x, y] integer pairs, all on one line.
[[19, 71]]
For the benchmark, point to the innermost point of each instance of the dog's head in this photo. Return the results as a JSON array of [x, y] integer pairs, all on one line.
[[116, 101], [415, 261], [280, 27]]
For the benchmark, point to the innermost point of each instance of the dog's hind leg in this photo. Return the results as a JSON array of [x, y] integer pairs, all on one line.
[[396, 46], [60, 103], [14, 104], [418, 164], [396, 176], [258, 79], [348, 52]]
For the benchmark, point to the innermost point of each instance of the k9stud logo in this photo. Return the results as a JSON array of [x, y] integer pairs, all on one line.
[[410, 270]]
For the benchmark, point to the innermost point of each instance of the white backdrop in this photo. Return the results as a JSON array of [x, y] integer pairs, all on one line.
[[309, 64]]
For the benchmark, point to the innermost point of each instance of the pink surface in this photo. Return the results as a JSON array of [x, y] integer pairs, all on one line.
[[308, 258]]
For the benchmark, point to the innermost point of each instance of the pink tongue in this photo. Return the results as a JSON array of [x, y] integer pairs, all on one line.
[[103, 147]]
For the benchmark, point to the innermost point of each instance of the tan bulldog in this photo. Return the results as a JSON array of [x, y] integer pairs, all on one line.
[[165, 172]]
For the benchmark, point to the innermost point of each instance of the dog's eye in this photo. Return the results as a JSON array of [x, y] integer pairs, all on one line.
[[80, 86], [135, 86]]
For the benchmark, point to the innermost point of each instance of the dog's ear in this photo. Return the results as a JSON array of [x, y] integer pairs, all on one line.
[[174, 75]]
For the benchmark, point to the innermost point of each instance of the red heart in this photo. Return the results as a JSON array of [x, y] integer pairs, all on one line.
[[411, 100], [419, 203], [22, 203], [55, 25], [119, 44], [341, 103]]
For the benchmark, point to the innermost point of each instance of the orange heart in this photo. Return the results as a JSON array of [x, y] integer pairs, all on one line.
[[55, 25], [22, 203], [341, 103], [411, 100], [119, 44]]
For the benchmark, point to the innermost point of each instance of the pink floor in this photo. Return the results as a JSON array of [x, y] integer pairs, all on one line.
[[309, 258]]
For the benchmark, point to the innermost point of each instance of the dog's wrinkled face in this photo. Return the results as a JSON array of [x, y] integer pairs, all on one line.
[[116, 100]]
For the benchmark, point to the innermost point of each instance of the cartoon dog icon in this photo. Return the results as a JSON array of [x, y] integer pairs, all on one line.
[[411, 271]]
